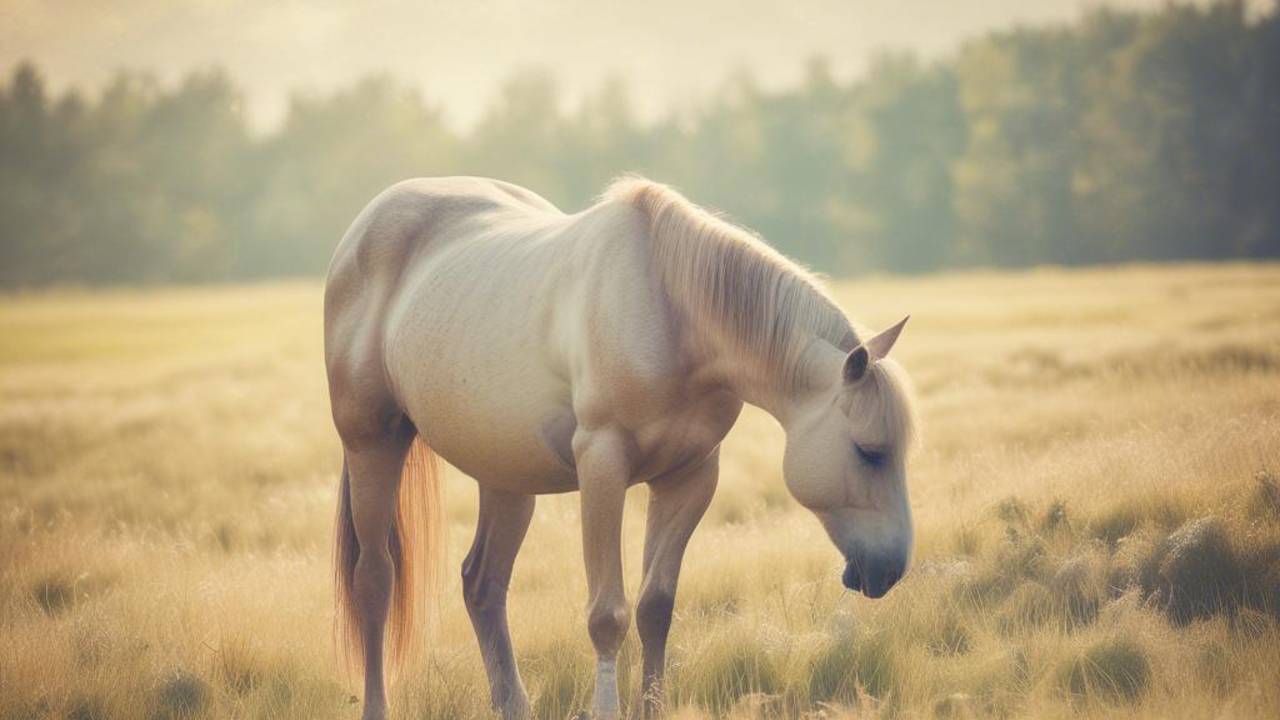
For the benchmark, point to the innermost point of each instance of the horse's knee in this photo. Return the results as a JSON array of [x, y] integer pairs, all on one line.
[[653, 614], [607, 625], [480, 593]]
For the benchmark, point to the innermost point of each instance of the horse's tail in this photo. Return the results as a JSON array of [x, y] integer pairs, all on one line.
[[417, 547]]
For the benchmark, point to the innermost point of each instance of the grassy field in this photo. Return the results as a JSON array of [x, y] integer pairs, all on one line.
[[1096, 499]]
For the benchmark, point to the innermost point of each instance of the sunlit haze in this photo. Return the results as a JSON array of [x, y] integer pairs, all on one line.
[[670, 51]]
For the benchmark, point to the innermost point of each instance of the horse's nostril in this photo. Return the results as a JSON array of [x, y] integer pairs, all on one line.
[[891, 578], [851, 579]]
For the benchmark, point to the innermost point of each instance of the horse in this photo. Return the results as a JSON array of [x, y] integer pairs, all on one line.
[[544, 352]]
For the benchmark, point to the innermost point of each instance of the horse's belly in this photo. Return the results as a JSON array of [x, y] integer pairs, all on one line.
[[484, 407], [517, 463], [502, 452], [467, 354], [494, 430]]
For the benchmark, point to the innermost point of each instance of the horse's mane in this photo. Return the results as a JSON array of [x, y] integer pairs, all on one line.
[[766, 304]]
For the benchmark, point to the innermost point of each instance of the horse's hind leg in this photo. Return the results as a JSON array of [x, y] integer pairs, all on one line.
[[375, 465], [486, 573]]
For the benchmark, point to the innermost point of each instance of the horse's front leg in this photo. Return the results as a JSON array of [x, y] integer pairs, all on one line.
[[676, 505], [486, 573], [603, 472]]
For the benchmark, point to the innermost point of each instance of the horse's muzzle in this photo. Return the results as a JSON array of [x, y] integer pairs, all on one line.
[[872, 578]]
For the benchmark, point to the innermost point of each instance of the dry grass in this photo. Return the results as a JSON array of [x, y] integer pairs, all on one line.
[[1097, 503]]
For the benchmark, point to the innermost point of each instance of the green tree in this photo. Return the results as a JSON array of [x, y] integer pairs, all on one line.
[[330, 158]]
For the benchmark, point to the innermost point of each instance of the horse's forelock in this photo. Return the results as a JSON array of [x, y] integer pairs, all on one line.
[[896, 405]]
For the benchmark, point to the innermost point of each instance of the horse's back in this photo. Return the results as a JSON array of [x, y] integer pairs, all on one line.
[[403, 219]]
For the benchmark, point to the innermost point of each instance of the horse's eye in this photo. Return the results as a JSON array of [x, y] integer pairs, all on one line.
[[874, 458]]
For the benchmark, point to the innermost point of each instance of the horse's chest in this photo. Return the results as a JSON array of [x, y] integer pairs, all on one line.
[[684, 436]]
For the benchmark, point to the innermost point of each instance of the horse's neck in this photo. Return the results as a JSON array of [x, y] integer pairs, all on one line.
[[749, 313], [771, 386], [775, 392], [748, 378]]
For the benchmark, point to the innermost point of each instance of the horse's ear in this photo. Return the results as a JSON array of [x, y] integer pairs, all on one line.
[[880, 345], [856, 364], [873, 350]]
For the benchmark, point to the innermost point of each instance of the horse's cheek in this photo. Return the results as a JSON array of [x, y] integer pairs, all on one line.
[[808, 478]]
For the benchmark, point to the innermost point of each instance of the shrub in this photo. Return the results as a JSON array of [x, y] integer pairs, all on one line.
[[561, 676], [1030, 605], [949, 637], [1260, 576], [1194, 573], [54, 595], [1115, 525], [831, 676], [1265, 502], [1077, 591], [1112, 670], [876, 664], [86, 708], [1018, 558], [61, 592], [1012, 511], [1054, 518], [181, 696], [732, 665]]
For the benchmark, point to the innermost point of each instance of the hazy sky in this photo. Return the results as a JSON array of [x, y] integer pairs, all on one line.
[[671, 51]]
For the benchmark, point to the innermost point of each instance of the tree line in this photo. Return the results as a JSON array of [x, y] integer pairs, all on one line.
[[1122, 136]]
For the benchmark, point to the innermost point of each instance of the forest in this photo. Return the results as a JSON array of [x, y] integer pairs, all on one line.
[[1124, 136]]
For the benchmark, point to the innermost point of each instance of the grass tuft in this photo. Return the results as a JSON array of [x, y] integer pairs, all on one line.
[[1265, 500], [182, 696], [86, 708], [561, 678], [733, 666], [1111, 670], [54, 595]]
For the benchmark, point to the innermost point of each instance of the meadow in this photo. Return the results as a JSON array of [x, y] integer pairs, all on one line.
[[1097, 497]]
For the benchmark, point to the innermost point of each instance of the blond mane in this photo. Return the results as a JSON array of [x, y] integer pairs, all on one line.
[[767, 304]]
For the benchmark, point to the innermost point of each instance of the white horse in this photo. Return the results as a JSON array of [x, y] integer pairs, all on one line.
[[541, 352]]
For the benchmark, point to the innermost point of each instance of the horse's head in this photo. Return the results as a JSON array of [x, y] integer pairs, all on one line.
[[847, 441]]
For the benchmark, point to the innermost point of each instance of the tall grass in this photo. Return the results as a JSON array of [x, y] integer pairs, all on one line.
[[1096, 496]]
